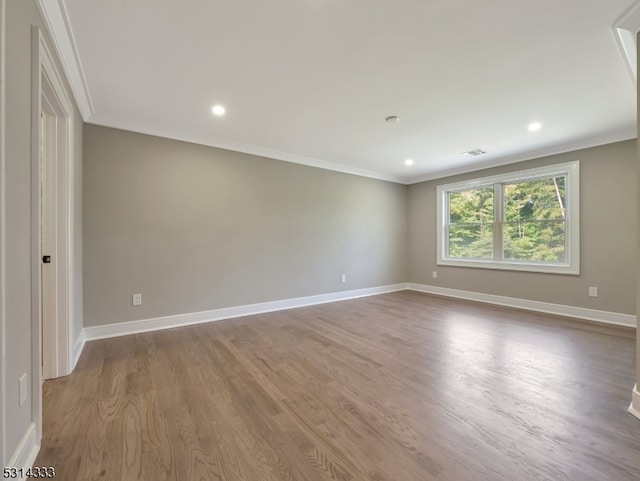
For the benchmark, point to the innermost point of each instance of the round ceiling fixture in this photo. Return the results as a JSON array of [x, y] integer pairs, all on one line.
[[392, 119], [534, 126], [408, 162], [218, 110]]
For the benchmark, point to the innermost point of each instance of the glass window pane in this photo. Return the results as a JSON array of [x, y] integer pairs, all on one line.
[[471, 241], [539, 199], [542, 241], [473, 206]]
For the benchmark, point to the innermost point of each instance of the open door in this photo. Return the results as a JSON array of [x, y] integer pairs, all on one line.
[[49, 261], [52, 245]]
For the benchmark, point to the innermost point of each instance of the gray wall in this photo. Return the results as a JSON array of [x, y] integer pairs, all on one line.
[[195, 228], [3, 455], [608, 236], [16, 200]]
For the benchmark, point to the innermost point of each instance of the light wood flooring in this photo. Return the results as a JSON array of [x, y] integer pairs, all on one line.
[[402, 386]]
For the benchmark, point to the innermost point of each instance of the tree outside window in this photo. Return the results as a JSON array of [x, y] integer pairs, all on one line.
[[526, 220]]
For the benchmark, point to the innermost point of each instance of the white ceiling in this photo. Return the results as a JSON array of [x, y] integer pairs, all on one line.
[[312, 81]]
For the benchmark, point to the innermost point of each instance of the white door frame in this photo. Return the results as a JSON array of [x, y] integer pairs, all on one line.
[[48, 94], [627, 29]]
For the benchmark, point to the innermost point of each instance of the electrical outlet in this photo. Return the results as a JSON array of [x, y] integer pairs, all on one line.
[[137, 299], [593, 292], [343, 278], [435, 274], [22, 388]]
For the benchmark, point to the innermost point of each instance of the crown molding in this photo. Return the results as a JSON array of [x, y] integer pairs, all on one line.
[[227, 144], [626, 29], [54, 12], [558, 149], [630, 18], [55, 16]]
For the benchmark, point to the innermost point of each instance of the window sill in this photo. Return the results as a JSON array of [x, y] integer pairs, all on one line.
[[565, 269]]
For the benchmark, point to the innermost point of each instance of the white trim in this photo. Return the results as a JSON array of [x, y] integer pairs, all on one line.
[[78, 346], [36, 294], [606, 317], [596, 140], [626, 41], [47, 85], [572, 235], [626, 29], [630, 18], [57, 20], [634, 408], [168, 322], [51, 86], [26, 452], [179, 320], [514, 176], [55, 16], [510, 266], [210, 141], [3, 310]]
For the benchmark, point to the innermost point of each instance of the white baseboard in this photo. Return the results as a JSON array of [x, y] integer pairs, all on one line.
[[26, 452], [606, 317], [158, 323], [78, 346], [168, 322], [634, 408]]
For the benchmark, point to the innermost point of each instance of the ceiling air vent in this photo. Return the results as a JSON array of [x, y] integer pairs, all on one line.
[[474, 152]]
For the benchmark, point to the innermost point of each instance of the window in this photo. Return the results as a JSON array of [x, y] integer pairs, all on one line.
[[527, 221]]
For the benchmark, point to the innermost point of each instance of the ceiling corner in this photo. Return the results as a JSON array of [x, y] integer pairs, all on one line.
[[55, 16], [626, 28], [246, 148]]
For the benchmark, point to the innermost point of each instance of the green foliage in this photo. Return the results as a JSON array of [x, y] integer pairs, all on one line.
[[534, 221], [471, 223]]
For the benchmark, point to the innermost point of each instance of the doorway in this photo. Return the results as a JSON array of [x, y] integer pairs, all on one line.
[[52, 244], [52, 187]]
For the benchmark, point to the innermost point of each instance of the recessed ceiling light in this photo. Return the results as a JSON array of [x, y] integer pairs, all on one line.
[[408, 162], [392, 119], [218, 110], [534, 126]]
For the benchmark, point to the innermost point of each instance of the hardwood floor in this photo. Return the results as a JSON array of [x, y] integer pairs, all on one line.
[[402, 386]]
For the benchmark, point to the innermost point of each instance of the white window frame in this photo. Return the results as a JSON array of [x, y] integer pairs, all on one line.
[[572, 219]]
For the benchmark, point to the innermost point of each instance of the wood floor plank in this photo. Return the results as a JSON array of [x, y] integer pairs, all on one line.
[[402, 386]]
